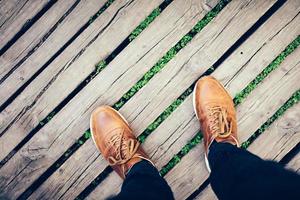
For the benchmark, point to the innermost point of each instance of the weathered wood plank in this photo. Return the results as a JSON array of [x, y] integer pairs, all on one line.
[[294, 164], [273, 144], [71, 67], [51, 26], [206, 194], [280, 138], [261, 104], [160, 145], [14, 14], [56, 33], [128, 18], [73, 177]]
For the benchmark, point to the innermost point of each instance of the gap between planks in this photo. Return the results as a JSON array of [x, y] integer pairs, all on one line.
[[15, 15], [42, 41]]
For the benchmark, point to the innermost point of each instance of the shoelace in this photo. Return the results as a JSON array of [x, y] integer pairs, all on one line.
[[124, 149], [219, 124]]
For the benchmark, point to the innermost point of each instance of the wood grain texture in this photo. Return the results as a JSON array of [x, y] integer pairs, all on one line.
[[130, 15], [42, 41], [294, 164], [47, 27], [273, 144], [261, 104], [181, 126], [14, 14], [71, 67], [74, 175], [169, 143]]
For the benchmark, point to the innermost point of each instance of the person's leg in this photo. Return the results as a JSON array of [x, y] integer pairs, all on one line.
[[235, 173], [239, 174], [143, 181]]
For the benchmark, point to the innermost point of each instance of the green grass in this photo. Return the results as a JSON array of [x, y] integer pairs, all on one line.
[[177, 158], [106, 5], [238, 99], [98, 68], [144, 24], [47, 119], [134, 34]]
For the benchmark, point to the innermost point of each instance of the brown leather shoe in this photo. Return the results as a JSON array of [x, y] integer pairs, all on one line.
[[114, 139], [215, 110]]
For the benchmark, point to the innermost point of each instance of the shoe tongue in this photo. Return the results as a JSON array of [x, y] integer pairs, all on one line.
[[113, 132]]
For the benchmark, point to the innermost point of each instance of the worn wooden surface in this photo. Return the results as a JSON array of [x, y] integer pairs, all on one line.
[[28, 44], [66, 15], [77, 62], [138, 118], [14, 14], [64, 61], [83, 65], [258, 107], [294, 164]]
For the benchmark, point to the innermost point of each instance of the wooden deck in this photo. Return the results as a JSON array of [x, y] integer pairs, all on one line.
[[59, 60]]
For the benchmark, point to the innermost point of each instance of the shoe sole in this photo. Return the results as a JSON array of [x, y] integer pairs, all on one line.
[[91, 124], [194, 106]]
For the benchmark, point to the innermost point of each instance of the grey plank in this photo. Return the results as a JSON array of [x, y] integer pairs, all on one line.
[[14, 14], [46, 37], [294, 164]]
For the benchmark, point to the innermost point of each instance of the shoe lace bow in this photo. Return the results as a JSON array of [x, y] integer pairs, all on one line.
[[218, 122], [124, 148]]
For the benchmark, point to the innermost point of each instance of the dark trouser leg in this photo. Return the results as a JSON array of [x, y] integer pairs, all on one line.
[[144, 182], [238, 174]]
